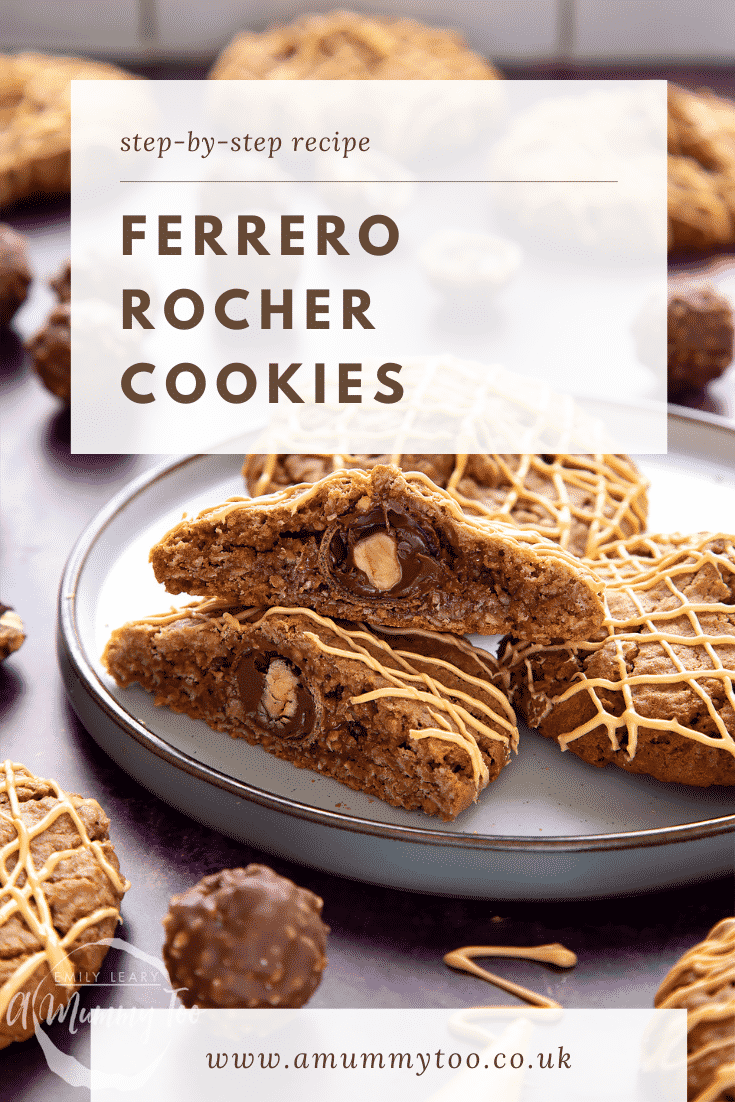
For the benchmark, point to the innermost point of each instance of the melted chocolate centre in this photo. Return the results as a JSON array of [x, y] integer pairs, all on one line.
[[417, 551], [273, 694]]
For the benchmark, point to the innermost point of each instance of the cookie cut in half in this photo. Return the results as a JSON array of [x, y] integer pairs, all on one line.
[[386, 548], [60, 893], [580, 502], [654, 690], [410, 718], [703, 984]]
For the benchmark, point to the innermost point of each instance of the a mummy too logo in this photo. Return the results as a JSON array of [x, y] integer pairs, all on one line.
[[47, 1009]]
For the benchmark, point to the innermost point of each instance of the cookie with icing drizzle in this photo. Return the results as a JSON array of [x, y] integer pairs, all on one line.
[[409, 717], [60, 893], [580, 502], [654, 690], [383, 547], [703, 984]]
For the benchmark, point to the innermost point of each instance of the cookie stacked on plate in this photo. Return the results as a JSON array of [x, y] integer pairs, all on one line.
[[653, 689], [331, 630], [332, 614]]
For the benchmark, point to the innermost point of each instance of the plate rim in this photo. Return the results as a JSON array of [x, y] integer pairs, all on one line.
[[70, 644]]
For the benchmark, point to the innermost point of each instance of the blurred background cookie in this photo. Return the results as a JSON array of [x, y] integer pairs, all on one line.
[[344, 45], [701, 143], [35, 121]]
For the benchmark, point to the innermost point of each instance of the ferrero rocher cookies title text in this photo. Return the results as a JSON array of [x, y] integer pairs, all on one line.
[[263, 308]]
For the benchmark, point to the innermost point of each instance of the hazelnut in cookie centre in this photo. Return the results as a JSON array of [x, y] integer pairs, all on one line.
[[273, 695], [384, 551]]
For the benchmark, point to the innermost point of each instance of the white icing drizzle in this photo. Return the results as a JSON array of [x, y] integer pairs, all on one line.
[[29, 900], [695, 659], [557, 954]]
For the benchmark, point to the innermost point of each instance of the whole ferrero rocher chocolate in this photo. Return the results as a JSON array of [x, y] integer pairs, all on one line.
[[245, 938]]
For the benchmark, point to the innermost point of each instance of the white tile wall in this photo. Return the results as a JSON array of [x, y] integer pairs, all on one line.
[[656, 28], [513, 29], [76, 26]]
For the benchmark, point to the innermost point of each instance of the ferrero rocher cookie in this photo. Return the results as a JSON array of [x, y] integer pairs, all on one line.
[[409, 717], [245, 938], [579, 501], [384, 547], [12, 635], [703, 984], [653, 691], [60, 893], [700, 338], [701, 169], [344, 45], [35, 121], [15, 275]]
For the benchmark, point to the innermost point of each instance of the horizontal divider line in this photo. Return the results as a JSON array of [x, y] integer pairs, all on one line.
[[368, 181]]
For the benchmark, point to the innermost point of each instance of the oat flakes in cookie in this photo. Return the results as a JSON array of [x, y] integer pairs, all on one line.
[[703, 984], [386, 548], [60, 893], [579, 501], [653, 691], [245, 938], [407, 716]]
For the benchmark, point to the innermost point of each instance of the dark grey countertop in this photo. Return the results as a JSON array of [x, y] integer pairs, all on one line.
[[386, 946]]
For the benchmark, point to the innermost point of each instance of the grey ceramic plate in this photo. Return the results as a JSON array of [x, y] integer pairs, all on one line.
[[550, 827]]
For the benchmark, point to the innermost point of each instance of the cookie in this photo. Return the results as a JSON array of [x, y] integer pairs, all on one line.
[[245, 938], [35, 121], [703, 984], [386, 548], [12, 635], [60, 893], [700, 338], [701, 169], [654, 690], [580, 502], [15, 275], [343, 45], [409, 717], [50, 351]]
